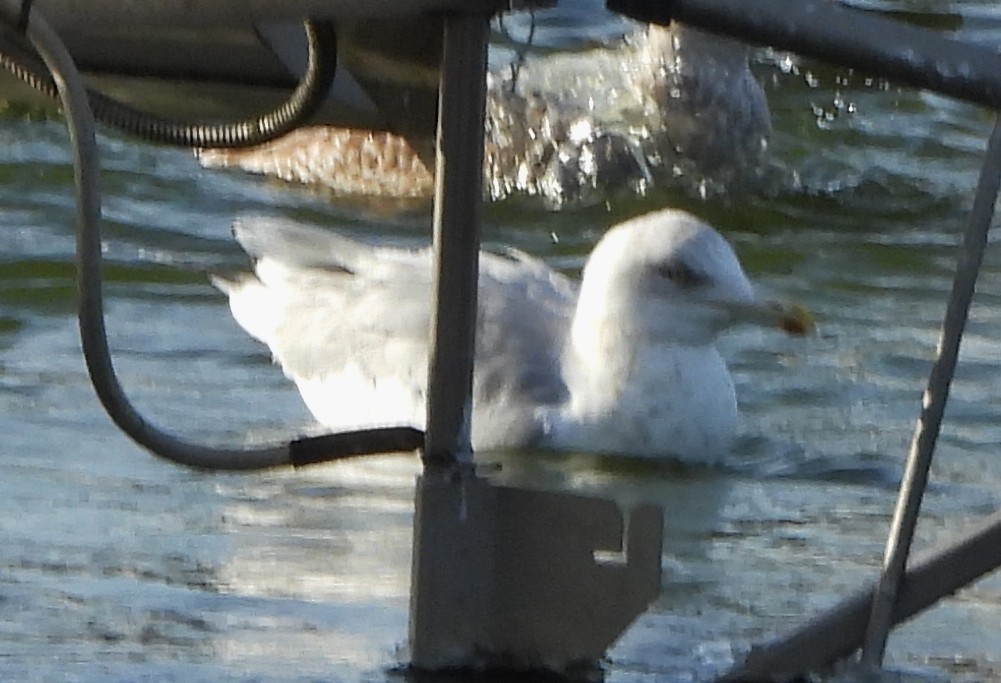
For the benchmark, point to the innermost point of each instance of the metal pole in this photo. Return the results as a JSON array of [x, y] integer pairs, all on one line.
[[242, 13], [933, 404], [450, 580], [457, 216], [838, 632], [848, 37]]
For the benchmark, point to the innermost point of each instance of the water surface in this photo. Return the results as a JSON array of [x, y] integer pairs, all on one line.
[[119, 567]]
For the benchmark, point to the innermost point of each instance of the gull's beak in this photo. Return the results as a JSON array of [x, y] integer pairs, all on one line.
[[794, 319], [791, 318]]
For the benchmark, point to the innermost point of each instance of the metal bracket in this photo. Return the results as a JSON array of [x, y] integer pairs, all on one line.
[[514, 578]]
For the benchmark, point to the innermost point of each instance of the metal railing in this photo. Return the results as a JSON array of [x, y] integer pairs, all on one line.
[[913, 56]]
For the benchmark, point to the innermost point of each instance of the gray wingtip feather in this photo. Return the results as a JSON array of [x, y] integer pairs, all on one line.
[[295, 243], [228, 283]]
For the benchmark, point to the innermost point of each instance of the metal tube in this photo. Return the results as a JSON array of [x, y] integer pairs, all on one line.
[[80, 121], [910, 56], [838, 632], [933, 402], [98, 13], [825, 30], [457, 217]]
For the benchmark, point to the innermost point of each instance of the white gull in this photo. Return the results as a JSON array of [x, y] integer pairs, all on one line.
[[625, 362]]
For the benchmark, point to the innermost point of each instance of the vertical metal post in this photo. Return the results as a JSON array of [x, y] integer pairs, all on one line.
[[490, 585], [457, 216], [450, 577]]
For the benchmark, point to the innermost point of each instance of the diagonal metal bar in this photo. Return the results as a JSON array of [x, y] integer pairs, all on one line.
[[838, 632], [831, 32], [905, 516]]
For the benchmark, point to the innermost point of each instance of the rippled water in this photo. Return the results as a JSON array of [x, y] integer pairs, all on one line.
[[118, 567]]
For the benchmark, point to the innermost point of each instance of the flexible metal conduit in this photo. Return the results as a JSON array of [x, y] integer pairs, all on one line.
[[301, 104], [80, 121]]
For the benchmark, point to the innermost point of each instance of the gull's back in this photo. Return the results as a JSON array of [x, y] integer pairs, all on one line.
[[349, 323]]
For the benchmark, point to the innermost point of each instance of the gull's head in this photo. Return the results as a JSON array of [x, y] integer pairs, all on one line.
[[667, 277]]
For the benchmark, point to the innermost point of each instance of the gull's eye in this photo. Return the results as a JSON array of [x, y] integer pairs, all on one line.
[[681, 275]]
